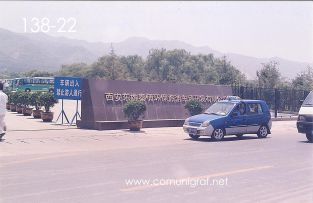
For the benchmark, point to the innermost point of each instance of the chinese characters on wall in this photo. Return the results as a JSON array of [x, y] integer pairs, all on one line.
[[165, 98]]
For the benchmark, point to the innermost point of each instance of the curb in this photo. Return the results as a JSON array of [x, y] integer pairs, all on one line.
[[285, 119]]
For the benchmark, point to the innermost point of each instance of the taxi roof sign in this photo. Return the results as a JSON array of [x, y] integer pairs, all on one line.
[[229, 98]]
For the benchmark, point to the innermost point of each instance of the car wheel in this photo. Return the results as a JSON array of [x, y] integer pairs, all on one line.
[[218, 134], [262, 133], [309, 136], [239, 136], [195, 137], [27, 90], [51, 90]]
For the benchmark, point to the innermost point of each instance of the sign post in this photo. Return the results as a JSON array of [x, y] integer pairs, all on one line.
[[62, 114], [68, 88], [76, 115]]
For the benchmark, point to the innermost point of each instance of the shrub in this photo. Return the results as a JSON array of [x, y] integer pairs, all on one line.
[[35, 100], [194, 107], [9, 94], [134, 109], [16, 98], [48, 101], [24, 99]]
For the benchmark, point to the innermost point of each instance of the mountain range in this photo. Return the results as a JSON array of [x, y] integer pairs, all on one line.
[[25, 51]]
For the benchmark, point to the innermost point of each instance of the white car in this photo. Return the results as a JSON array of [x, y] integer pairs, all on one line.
[[305, 118]]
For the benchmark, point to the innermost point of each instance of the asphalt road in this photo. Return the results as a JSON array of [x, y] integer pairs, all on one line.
[[50, 163]]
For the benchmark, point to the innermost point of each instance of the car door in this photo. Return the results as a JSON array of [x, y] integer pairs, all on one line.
[[255, 117], [236, 123]]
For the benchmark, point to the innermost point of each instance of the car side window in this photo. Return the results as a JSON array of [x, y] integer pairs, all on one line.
[[260, 110], [255, 109], [241, 109]]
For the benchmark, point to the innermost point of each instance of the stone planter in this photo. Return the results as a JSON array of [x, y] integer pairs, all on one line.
[[27, 111], [135, 125], [19, 109], [37, 113], [47, 116], [13, 108], [8, 106]]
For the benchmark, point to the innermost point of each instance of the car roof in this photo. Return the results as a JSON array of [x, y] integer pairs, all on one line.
[[242, 100]]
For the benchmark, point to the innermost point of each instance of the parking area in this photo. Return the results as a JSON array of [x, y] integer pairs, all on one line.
[[43, 162]]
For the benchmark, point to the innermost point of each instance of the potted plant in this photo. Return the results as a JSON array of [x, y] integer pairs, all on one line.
[[133, 110], [13, 101], [25, 103], [8, 105], [194, 107], [19, 102], [47, 101], [35, 102]]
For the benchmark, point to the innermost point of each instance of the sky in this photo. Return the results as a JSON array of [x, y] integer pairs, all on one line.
[[259, 29]]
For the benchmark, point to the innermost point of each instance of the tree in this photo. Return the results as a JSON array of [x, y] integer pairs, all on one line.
[[108, 67], [161, 65], [154, 64], [73, 70], [304, 80], [134, 66], [269, 76], [113, 66], [228, 74], [37, 73]]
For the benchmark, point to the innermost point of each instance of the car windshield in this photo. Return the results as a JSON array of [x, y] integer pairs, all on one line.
[[220, 108], [309, 100]]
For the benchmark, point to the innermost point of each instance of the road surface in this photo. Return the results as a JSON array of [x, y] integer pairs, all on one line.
[[42, 162]]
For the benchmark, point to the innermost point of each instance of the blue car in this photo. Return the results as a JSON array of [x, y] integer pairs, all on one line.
[[231, 117]]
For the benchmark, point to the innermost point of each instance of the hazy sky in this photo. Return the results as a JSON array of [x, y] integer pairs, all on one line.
[[260, 29]]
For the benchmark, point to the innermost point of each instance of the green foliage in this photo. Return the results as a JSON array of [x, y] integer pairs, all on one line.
[[7, 74], [180, 66], [134, 109], [134, 66], [194, 107], [13, 98], [228, 74], [35, 100], [161, 65], [37, 73], [269, 76], [9, 94], [74, 70], [304, 80], [24, 99], [47, 100], [17, 98], [32, 73], [175, 66]]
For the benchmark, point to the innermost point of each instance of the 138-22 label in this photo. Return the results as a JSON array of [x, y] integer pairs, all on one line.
[[46, 25]]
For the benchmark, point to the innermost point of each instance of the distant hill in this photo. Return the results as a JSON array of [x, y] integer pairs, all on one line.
[[23, 51]]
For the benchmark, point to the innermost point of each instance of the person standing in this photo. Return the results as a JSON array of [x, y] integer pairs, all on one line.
[[3, 110]]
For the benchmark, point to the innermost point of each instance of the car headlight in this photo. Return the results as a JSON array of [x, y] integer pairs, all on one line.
[[301, 118], [205, 124], [186, 121]]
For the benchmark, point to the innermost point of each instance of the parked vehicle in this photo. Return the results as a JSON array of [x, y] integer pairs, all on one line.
[[231, 117], [33, 84], [305, 117], [8, 84]]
